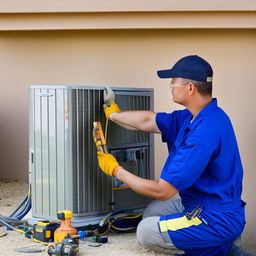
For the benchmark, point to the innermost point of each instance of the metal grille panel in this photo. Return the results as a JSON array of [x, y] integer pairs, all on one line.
[[91, 188]]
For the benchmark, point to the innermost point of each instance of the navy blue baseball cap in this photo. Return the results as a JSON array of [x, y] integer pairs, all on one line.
[[191, 67]]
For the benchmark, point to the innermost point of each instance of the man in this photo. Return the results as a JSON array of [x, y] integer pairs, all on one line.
[[203, 166]]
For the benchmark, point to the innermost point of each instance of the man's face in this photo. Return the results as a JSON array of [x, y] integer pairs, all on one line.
[[178, 90]]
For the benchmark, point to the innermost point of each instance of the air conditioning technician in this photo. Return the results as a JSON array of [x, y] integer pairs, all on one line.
[[203, 166]]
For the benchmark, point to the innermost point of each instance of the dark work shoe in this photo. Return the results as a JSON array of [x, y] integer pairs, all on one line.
[[237, 251]]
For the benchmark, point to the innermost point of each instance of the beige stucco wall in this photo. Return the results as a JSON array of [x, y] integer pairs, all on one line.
[[64, 6], [126, 58]]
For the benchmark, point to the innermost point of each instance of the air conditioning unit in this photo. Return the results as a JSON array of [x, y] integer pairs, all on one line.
[[64, 171]]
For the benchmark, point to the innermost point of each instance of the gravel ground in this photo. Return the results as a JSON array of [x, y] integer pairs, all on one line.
[[12, 193]]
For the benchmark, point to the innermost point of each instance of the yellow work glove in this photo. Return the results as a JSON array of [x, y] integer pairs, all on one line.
[[113, 108], [108, 163]]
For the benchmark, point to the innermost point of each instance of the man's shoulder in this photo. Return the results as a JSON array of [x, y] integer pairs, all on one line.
[[176, 114], [217, 122], [181, 114], [218, 116]]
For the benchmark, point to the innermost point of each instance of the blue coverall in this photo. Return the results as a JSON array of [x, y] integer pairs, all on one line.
[[205, 166]]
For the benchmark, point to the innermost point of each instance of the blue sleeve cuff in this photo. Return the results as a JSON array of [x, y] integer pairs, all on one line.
[[171, 180]]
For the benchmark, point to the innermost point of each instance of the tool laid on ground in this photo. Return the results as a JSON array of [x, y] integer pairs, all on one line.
[[96, 237], [100, 239], [44, 230], [68, 247], [99, 138], [84, 234], [65, 228]]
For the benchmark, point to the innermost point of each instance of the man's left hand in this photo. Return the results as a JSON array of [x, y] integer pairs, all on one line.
[[108, 163]]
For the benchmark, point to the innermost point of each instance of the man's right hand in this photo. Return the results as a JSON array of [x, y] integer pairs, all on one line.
[[112, 109]]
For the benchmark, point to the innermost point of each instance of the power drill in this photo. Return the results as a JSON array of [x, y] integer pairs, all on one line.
[[68, 247]]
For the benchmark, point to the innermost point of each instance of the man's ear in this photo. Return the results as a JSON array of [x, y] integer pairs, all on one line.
[[191, 88]]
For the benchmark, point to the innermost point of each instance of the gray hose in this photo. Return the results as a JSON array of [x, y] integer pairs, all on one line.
[[30, 249]]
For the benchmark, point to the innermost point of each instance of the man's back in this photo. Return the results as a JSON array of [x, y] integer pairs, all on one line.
[[204, 162]]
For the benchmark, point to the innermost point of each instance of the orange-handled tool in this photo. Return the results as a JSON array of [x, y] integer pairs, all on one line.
[[99, 138]]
